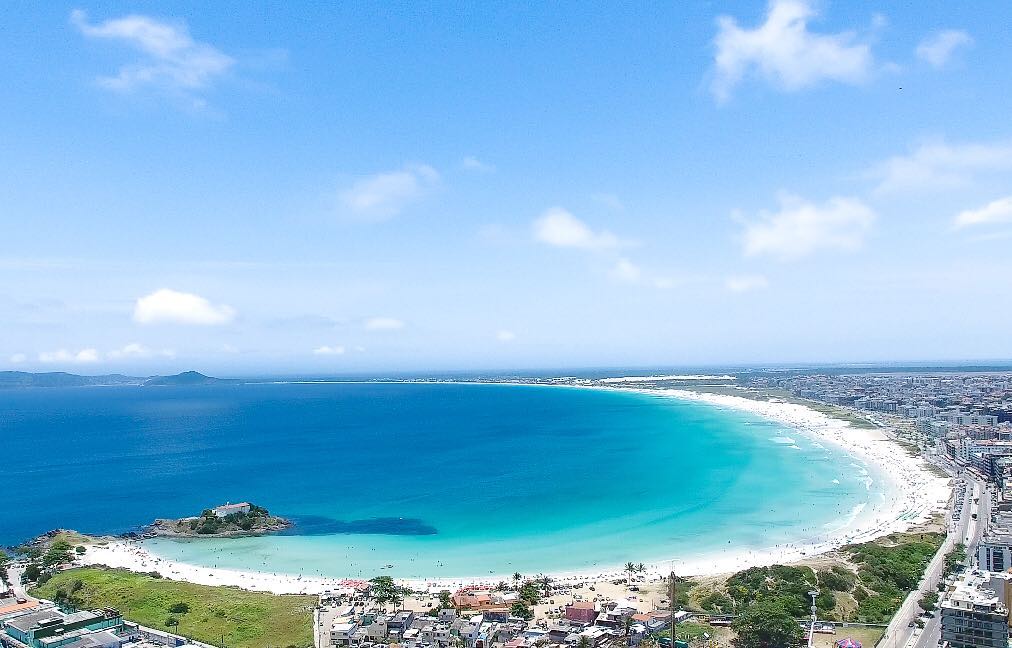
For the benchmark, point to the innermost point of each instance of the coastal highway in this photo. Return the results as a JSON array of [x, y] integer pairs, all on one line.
[[968, 532], [898, 634]]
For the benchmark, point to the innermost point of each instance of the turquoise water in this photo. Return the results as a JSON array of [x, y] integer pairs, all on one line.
[[438, 480]]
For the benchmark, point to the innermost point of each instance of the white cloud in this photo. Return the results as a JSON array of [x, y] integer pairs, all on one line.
[[135, 350], [384, 195], [785, 53], [326, 350], [83, 356], [626, 270], [170, 306], [800, 228], [996, 211], [938, 165], [559, 228], [171, 58], [937, 48], [505, 336], [383, 324], [745, 283], [471, 163], [18, 358]]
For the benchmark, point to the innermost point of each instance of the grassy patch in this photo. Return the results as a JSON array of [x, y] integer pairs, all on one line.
[[246, 619]]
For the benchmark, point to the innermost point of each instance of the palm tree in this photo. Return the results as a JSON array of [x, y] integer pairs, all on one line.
[[516, 577], [641, 568], [630, 567], [627, 623], [546, 582], [584, 642]]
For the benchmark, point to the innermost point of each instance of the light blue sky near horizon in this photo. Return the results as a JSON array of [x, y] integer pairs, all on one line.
[[412, 186]]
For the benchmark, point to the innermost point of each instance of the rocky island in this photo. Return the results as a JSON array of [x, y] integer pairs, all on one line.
[[225, 521]]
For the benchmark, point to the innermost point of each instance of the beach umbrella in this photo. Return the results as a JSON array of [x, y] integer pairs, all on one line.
[[848, 643]]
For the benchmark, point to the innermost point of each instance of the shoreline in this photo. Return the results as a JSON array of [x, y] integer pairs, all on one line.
[[913, 496]]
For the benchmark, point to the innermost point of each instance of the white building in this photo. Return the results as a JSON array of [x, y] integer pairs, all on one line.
[[973, 615]]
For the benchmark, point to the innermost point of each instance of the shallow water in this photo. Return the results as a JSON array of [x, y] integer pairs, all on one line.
[[437, 480]]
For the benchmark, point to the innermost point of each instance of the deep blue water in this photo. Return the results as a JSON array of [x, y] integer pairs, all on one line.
[[438, 479]]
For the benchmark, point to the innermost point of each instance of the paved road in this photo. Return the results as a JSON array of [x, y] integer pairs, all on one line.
[[898, 634], [969, 534]]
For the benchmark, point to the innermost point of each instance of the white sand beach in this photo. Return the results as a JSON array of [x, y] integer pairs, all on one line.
[[912, 495]]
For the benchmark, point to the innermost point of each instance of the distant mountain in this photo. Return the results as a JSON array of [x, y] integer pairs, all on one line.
[[62, 379], [24, 379], [186, 378]]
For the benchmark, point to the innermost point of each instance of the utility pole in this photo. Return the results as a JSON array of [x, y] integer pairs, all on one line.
[[811, 632]]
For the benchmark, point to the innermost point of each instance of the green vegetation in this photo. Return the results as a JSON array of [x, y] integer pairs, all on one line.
[[385, 590], [784, 585], [246, 619], [520, 609], [954, 558], [888, 569], [257, 519], [678, 589], [530, 593], [766, 624], [928, 601]]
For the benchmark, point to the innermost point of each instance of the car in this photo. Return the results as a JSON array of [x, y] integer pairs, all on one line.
[[911, 624], [21, 600]]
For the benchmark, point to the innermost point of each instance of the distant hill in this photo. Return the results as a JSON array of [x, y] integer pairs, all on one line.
[[24, 379], [186, 378], [62, 379]]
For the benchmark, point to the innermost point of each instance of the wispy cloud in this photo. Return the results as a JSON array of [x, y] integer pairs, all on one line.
[[996, 211], [800, 228], [745, 283], [384, 324], [167, 306], [170, 58], [938, 48], [939, 165], [471, 163], [135, 350], [559, 228], [63, 356], [384, 195], [329, 350], [504, 335], [626, 270], [785, 53]]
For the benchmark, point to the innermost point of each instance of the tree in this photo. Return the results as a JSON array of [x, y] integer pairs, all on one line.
[[179, 608], [583, 642], [384, 590], [641, 568], [171, 621], [31, 573], [517, 576], [80, 549], [630, 567], [520, 610], [627, 624], [445, 601], [530, 593], [765, 624]]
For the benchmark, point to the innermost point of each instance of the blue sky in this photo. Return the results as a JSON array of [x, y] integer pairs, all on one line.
[[356, 187]]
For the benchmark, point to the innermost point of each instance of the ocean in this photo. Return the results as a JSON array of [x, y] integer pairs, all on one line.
[[421, 480]]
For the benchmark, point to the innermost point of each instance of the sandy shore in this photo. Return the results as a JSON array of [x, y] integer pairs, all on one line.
[[912, 495]]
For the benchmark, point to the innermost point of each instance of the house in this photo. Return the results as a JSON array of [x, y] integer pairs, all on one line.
[[341, 633], [228, 509], [51, 626], [473, 600], [582, 612]]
